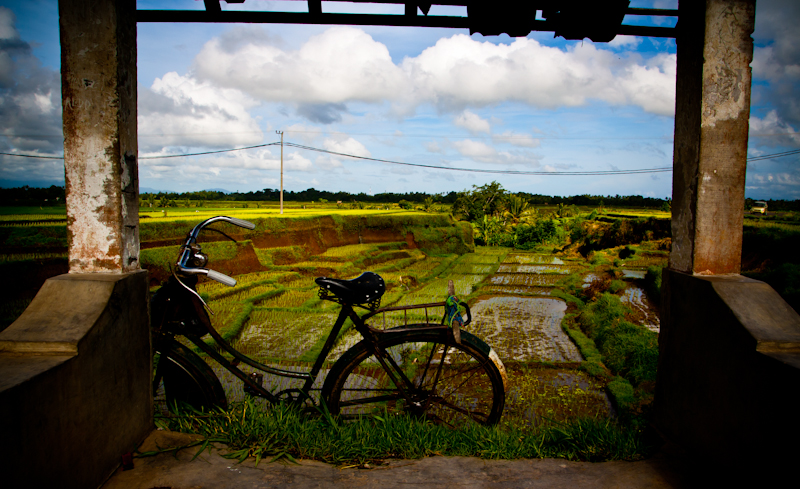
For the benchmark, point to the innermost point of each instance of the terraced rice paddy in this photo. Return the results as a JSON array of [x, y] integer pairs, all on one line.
[[636, 298], [516, 290], [514, 313], [271, 334], [540, 394], [529, 280], [536, 269], [524, 329]]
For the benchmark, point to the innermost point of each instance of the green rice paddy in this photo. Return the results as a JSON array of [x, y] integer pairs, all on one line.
[[509, 294]]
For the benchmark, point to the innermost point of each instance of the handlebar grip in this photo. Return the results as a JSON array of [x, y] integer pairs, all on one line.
[[242, 223], [466, 308], [222, 278]]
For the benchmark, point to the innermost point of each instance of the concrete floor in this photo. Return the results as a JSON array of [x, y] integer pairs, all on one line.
[[211, 470]]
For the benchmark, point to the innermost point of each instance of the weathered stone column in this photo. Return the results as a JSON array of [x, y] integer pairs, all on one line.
[[728, 345], [711, 129], [98, 84]]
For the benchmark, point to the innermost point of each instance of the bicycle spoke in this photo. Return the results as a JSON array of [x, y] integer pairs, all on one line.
[[464, 387], [473, 370], [370, 400], [461, 410]]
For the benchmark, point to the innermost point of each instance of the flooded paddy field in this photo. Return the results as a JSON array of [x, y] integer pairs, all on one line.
[[526, 279], [636, 298], [516, 290], [541, 394], [510, 298], [524, 328]]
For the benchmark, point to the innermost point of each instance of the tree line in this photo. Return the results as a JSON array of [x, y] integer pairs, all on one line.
[[55, 195]]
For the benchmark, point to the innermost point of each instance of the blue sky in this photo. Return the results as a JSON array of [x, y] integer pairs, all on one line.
[[436, 97]]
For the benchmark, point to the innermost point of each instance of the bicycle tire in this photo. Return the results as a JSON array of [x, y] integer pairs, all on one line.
[[469, 388], [187, 379]]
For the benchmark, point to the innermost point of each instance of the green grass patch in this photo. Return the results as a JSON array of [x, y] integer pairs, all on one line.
[[284, 432], [627, 349]]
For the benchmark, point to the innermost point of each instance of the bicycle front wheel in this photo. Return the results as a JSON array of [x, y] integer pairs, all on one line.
[[186, 378], [429, 376]]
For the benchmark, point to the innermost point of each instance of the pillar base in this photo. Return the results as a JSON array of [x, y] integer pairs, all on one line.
[[75, 381], [729, 368]]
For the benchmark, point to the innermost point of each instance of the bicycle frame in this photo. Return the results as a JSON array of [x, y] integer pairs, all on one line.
[[373, 335], [187, 317]]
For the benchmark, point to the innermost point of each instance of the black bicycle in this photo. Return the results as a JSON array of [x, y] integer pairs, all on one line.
[[419, 369]]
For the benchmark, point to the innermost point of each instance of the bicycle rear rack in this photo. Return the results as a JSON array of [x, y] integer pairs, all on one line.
[[405, 310]]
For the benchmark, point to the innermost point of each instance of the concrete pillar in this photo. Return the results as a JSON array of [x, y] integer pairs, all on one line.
[[711, 125], [98, 85]]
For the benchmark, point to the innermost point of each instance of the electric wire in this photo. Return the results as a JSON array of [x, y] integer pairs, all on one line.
[[476, 170], [420, 165]]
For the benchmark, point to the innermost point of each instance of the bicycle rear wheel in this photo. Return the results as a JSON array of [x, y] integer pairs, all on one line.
[[186, 378], [448, 383]]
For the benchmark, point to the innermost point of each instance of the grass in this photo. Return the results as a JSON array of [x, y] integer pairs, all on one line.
[[284, 432]]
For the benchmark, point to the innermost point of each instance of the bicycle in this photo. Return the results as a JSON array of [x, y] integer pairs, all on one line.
[[419, 369]]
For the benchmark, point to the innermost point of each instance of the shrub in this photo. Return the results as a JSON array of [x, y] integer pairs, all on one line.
[[652, 282], [530, 236], [627, 349]]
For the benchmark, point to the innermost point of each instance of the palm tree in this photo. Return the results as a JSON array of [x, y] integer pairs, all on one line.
[[516, 207]]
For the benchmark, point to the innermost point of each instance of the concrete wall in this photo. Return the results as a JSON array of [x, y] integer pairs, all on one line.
[[728, 385], [75, 376]]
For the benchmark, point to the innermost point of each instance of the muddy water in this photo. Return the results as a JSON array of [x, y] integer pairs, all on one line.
[[636, 298], [524, 329]]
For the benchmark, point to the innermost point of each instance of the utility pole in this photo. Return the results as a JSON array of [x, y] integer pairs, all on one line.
[[281, 133]]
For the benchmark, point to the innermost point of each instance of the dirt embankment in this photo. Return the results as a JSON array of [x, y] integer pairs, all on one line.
[[599, 235], [295, 240]]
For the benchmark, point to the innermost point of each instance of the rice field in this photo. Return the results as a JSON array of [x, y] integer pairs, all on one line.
[[537, 395], [516, 290], [277, 334], [533, 258], [645, 261], [529, 280], [436, 291], [288, 298], [636, 298], [511, 306], [524, 329], [536, 269], [350, 251]]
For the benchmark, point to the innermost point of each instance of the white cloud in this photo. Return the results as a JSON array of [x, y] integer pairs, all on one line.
[[472, 122], [347, 146], [30, 109], [458, 71], [772, 130], [625, 42], [475, 149], [516, 139], [339, 65], [432, 147], [344, 65], [182, 111], [776, 57], [307, 134]]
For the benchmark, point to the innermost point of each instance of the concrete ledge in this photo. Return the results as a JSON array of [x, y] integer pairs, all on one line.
[[76, 377], [728, 367]]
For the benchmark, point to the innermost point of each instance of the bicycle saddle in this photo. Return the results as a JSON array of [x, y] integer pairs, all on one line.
[[367, 288]]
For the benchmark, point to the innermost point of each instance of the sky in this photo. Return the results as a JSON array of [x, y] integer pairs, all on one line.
[[436, 97]]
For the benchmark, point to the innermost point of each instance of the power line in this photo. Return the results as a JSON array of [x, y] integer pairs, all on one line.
[[206, 152], [476, 170], [419, 165], [34, 156], [774, 155]]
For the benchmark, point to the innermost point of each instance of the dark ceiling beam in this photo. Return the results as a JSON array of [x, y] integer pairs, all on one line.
[[250, 17]]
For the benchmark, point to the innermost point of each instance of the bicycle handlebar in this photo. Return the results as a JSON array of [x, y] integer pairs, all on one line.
[[189, 250]]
